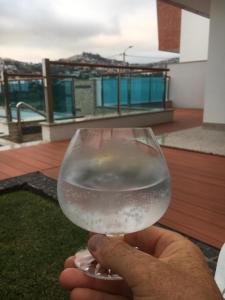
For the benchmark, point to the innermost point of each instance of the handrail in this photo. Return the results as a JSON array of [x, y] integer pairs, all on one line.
[[20, 104], [18, 113], [91, 65]]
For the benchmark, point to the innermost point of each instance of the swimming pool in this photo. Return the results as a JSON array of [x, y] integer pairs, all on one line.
[[27, 115]]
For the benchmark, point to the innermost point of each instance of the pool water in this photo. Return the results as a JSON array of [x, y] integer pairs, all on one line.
[[27, 115]]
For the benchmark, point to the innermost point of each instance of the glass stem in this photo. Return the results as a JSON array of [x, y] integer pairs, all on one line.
[[120, 235]]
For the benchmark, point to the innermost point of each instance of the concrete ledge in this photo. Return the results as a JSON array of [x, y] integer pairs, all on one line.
[[65, 129]]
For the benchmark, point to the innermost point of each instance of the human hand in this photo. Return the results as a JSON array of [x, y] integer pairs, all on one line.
[[166, 266]]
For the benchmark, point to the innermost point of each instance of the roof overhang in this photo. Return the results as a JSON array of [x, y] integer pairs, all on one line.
[[200, 7]]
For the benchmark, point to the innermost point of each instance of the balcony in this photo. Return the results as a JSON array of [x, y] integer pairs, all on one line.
[[91, 95]]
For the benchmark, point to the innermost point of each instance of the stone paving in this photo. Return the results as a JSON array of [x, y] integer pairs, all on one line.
[[201, 139]]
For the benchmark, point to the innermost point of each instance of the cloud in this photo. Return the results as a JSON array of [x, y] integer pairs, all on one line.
[[42, 22], [62, 28]]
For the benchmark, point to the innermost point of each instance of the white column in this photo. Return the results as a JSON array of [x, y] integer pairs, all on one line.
[[214, 105]]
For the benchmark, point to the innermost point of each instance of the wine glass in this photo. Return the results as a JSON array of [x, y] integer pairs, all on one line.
[[112, 181]]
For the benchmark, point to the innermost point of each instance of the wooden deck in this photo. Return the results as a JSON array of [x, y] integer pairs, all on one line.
[[183, 119], [198, 195], [198, 185]]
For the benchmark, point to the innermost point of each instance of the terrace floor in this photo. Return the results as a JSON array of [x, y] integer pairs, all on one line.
[[182, 119], [198, 187]]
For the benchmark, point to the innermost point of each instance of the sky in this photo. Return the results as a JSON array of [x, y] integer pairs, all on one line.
[[33, 29]]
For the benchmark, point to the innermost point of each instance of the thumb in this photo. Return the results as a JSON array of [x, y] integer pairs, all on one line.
[[127, 261]]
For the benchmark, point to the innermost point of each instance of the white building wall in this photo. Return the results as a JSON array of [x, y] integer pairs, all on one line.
[[194, 37], [214, 108], [187, 84]]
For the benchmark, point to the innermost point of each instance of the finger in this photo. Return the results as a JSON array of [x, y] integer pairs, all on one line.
[[84, 294], [73, 278], [90, 234], [122, 258], [153, 240], [164, 244], [69, 262]]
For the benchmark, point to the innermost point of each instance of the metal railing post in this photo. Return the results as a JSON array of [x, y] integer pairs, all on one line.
[[19, 125], [4, 78], [102, 92], [167, 88], [47, 89], [129, 90], [164, 92], [118, 94]]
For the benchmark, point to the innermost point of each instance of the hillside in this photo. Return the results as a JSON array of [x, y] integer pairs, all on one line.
[[91, 58], [15, 66]]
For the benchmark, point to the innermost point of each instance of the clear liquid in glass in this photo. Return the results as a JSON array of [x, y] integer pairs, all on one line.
[[115, 191]]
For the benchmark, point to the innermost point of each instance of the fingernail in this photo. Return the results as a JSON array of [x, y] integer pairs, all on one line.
[[95, 242]]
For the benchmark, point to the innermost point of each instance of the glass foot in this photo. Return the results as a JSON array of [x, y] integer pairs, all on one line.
[[87, 263]]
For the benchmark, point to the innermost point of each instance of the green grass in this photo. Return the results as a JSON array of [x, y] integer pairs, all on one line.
[[35, 239]]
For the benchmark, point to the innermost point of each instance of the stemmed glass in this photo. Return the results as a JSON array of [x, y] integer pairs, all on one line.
[[112, 181]]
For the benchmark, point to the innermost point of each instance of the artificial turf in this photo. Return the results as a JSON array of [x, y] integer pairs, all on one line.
[[35, 239]]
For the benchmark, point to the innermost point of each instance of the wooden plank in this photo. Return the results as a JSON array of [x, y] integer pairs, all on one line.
[[53, 172], [45, 156], [196, 189], [201, 202], [18, 165], [3, 176], [187, 230], [207, 166], [10, 171], [200, 213], [197, 176], [28, 159], [183, 119], [194, 227], [55, 147], [38, 156]]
